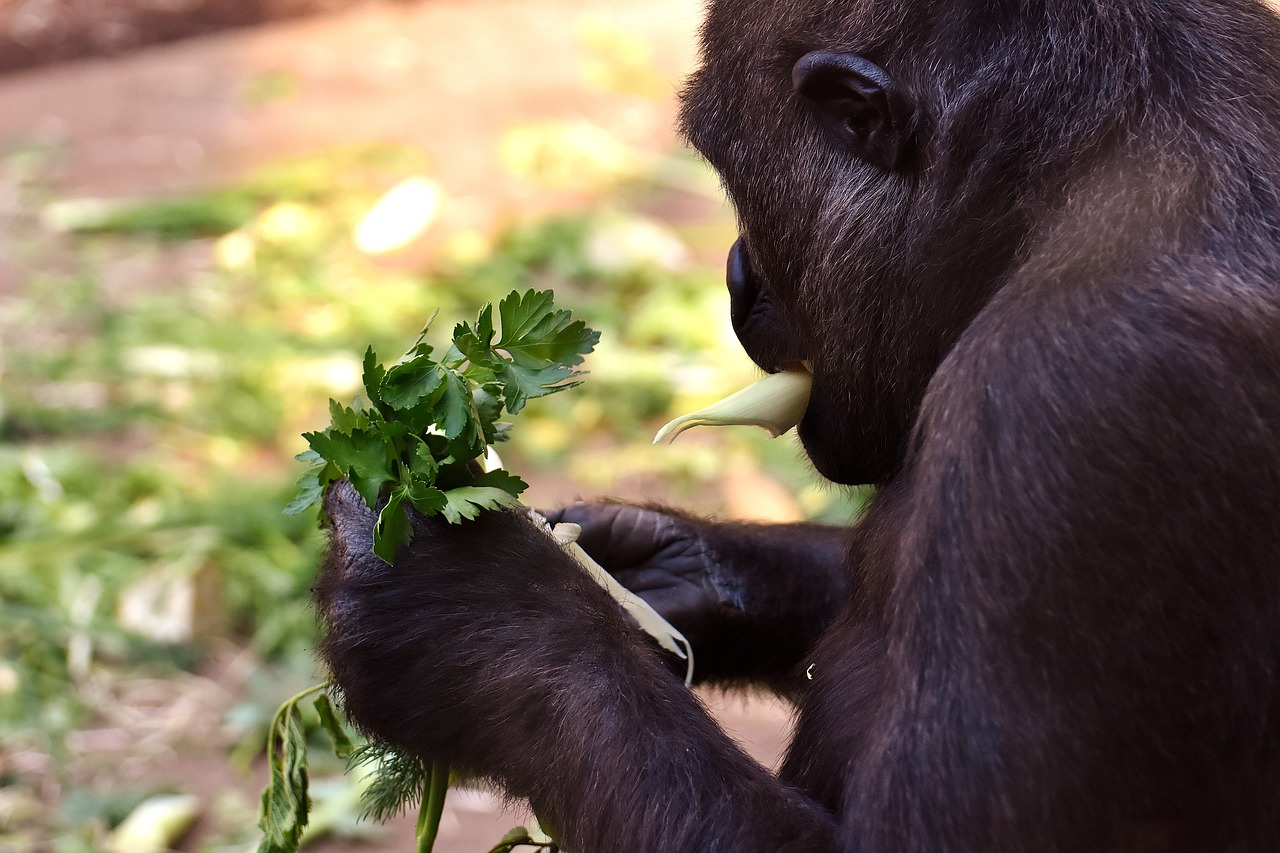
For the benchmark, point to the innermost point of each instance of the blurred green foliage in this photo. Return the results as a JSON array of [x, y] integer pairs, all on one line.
[[160, 359]]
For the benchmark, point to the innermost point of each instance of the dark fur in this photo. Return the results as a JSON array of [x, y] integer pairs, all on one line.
[[1052, 337]]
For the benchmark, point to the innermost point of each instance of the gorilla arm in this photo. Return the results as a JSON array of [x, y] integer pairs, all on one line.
[[488, 647]]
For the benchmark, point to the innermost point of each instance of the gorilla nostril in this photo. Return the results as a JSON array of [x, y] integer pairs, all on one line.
[[742, 285], [760, 328]]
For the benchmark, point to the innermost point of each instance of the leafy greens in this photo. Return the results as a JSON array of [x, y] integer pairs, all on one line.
[[429, 421]]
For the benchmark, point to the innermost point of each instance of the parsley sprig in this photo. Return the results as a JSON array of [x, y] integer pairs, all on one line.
[[430, 420], [419, 443]]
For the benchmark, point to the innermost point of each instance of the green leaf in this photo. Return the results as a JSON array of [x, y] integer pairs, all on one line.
[[454, 473], [456, 412], [310, 457], [342, 745], [410, 383], [535, 333], [328, 444], [420, 346], [487, 400], [310, 491], [513, 839], [475, 342], [344, 419], [295, 766], [285, 801], [269, 819], [372, 377], [277, 809], [389, 429], [470, 501], [392, 530], [423, 465], [429, 420], [362, 457], [501, 478], [427, 500], [420, 418], [398, 781], [312, 483], [368, 465], [519, 384]]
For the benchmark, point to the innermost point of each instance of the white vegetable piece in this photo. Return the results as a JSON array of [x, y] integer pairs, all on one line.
[[155, 825], [775, 403]]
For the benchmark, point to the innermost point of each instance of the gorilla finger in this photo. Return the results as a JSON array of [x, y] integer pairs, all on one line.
[[615, 533], [654, 578], [350, 521], [684, 608]]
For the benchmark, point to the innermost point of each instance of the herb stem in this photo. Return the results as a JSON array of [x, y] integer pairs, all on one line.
[[432, 806], [285, 708]]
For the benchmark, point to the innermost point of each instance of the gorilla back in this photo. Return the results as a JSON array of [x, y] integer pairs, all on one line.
[[1030, 251]]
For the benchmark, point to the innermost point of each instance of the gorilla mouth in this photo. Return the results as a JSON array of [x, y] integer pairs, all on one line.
[[777, 402]]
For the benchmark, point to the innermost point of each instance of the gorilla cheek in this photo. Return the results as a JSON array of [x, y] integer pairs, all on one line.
[[821, 445]]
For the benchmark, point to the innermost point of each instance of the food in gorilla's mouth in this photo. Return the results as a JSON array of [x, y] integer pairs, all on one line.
[[776, 403]]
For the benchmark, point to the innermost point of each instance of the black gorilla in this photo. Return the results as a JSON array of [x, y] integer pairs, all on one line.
[[1031, 251]]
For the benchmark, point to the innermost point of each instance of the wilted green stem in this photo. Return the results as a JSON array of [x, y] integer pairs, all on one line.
[[283, 710], [432, 806]]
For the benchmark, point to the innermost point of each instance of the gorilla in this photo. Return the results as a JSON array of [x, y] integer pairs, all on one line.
[[1030, 252]]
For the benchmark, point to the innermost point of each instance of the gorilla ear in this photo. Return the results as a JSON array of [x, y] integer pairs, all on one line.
[[867, 109]]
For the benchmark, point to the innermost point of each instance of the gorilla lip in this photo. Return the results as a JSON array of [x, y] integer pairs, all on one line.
[[775, 403]]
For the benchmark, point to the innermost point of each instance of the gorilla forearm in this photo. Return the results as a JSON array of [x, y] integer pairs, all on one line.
[[556, 697], [793, 583], [751, 598]]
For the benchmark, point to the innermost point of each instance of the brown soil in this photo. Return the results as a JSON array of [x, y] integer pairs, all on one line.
[[42, 32], [448, 76]]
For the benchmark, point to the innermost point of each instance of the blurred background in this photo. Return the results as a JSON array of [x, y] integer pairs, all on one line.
[[208, 209]]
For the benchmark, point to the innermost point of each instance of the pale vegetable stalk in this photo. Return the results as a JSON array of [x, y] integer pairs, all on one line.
[[775, 403], [155, 825], [649, 619]]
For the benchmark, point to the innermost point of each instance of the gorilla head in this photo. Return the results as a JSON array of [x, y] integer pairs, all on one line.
[[888, 174]]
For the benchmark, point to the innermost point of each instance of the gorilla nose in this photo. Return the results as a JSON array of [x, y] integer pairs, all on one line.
[[756, 321], [742, 285]]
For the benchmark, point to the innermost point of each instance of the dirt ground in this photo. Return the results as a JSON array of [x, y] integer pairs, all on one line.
[[448, 76], [41, 32]]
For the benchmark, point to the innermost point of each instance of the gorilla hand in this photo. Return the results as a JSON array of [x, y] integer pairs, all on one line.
[[662, 557], [431, 653], [487, 646], [749, 598]]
